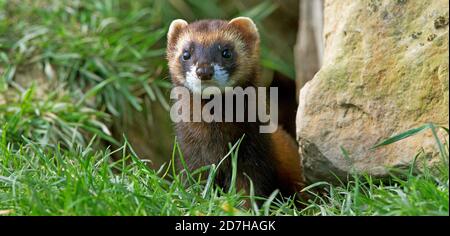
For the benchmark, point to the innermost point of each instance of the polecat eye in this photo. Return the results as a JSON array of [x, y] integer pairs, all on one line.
[[226, 53], [186, 55]]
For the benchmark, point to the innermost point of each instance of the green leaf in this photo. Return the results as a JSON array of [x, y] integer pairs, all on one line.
[[345, 154], [402, 136]]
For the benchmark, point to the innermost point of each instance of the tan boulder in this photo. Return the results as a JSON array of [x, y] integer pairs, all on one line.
[[385, 70]]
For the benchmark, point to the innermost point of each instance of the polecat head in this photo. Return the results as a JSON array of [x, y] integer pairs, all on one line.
[[213, 53]]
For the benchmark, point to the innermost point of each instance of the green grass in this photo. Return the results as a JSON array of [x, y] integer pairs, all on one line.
[[108, 53], [42, 179], [39, 180], [69, 69]]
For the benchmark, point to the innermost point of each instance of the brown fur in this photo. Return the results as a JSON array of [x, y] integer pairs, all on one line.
[[270, 160]]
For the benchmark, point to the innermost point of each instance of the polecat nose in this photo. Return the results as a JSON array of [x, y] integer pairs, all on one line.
[[205, 72]]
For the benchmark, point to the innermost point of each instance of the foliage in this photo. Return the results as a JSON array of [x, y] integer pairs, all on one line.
[[36, 179], [94, 60]]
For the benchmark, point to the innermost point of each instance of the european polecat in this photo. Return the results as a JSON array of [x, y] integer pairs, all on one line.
[[226, 54]]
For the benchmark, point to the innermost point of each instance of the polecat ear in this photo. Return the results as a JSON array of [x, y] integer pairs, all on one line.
[[245, 24], [175, 29]]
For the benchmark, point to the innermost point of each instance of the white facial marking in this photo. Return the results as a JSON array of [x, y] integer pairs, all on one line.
[[192, 80], [220, 75], [220, 79]]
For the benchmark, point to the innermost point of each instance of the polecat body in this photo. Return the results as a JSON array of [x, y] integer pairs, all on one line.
[[226, 54]]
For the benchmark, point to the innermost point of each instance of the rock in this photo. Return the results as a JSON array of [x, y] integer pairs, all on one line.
[[376, 81]]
